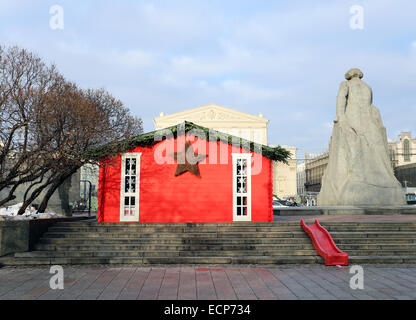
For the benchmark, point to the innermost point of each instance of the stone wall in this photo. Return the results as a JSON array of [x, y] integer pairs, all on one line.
[[67, 193], [21, 236]]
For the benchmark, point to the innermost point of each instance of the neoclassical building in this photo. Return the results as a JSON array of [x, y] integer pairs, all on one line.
[[403, 151], [242, 125], [285, 184], [222, 119], [301, 178]]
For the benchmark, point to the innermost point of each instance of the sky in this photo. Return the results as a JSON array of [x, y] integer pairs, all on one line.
[[284, 59]]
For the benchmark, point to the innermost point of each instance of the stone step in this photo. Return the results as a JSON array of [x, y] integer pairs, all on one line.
[[381, 259], [212, 260], [170, 247], [370, 228], [220, 253], [87, 242], [179, 253], [96, 241], [169, 260], [190, 225], [408, 235], [116, 229], [381, 252], [249, 224], [206, 260], [339, 241], [221, 235], [192, 253], [346, 247], [374, 240], [219, 246]]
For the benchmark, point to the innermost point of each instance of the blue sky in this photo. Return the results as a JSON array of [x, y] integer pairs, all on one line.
[[284, 59]]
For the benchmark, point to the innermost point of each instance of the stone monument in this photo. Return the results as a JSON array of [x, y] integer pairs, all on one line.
[[359, 172]]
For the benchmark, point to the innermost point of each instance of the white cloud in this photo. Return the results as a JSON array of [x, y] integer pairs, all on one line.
[[249, 92], [285, 60]]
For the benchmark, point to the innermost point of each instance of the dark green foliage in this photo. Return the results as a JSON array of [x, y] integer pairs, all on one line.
[[148, 139]]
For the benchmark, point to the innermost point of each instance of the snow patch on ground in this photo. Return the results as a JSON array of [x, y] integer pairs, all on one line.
[[10, 213]]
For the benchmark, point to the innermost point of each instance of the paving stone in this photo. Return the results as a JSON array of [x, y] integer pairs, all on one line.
[[222, 284], [151, 286], [257, 285], [205, 289], [98, 286], [134, 285], [303, 282], [187, 284], [240, 285]]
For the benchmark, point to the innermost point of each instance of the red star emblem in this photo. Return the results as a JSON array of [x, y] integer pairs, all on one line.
[[188, 166]]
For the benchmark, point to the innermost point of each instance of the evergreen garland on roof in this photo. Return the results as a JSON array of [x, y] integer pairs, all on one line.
[[148, 139]]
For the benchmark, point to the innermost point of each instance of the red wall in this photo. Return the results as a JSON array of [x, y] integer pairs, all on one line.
[[185, 198]]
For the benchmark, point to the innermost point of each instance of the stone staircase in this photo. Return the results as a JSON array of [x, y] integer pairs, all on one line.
[[88, 242]]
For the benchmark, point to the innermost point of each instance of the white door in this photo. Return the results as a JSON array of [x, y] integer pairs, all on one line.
[[241, 186], [130, 187]]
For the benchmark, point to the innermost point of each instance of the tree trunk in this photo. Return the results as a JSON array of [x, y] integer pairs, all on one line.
[[32, 197], [9, 197], [54, 186]]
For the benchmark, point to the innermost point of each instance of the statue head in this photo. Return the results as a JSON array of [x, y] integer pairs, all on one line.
[[354, 73]]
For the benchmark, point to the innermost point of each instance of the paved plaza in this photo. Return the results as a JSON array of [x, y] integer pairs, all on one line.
[[292, 282]]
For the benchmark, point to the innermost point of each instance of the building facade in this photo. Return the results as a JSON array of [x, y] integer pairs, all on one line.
[[314, 170], [236, 123], [301, 179], [89, 174], [284, 185], [403, 151], [240, 124]]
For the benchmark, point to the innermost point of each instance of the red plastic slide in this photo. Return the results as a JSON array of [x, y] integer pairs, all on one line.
[[325, 245]]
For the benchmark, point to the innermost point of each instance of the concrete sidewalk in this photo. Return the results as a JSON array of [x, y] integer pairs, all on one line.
[[293, 282]]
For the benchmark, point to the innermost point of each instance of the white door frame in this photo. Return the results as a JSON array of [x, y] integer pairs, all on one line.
[[238, 208], [123, 193]]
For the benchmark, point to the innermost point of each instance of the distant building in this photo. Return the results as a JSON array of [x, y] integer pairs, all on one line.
[[89, 172], [221, 119], [314, 170], [285, 185], [403, 151], [240, 124], [301, 179], [403, 158]]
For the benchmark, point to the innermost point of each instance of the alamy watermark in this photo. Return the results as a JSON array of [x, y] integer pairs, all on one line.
[[203, 143], [57, 280], [56, 22], [357, 280], [357, 18]]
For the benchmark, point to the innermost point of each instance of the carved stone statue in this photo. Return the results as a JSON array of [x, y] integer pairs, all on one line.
[[359, 172]]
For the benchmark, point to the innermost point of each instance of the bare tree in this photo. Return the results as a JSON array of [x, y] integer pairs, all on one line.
[[91, 119], [48, 124], [24, 78]]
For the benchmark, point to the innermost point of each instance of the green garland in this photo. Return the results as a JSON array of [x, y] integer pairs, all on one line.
[[148, 139]]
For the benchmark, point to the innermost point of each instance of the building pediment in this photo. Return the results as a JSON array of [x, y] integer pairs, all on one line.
[[211, 113]]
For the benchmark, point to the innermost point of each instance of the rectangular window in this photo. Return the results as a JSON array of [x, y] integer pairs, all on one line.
[[130, 187], [241, 186]]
